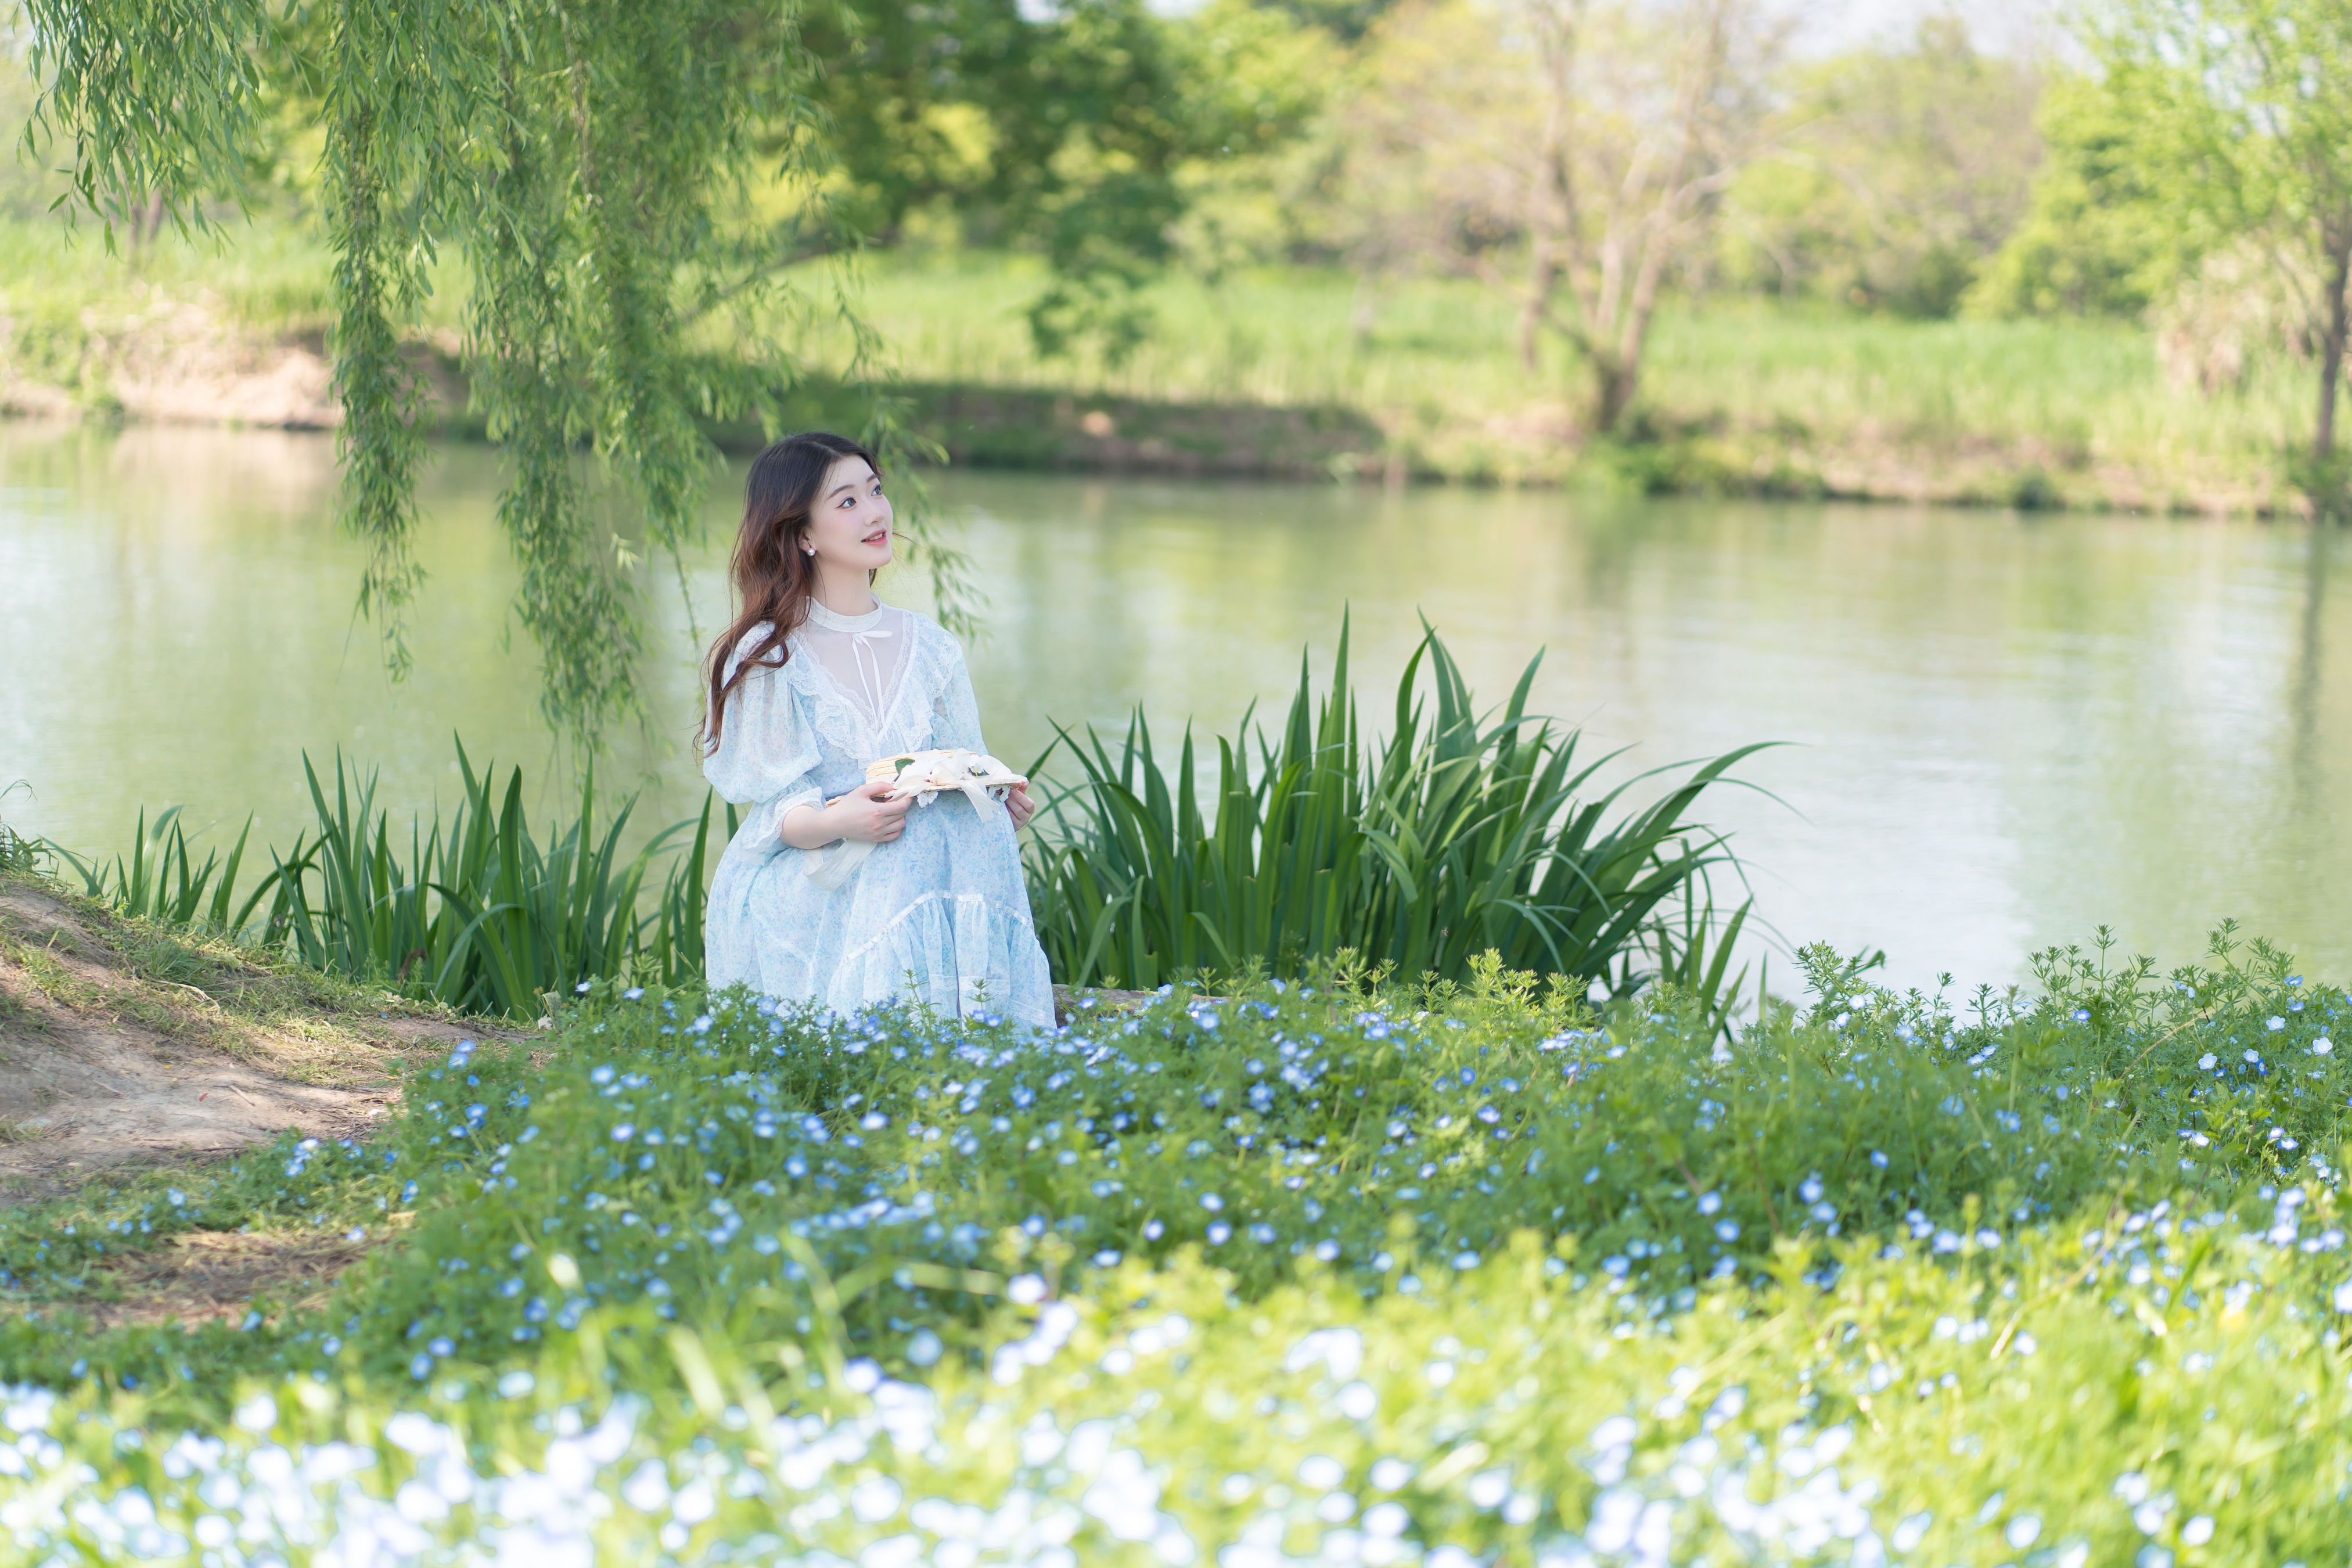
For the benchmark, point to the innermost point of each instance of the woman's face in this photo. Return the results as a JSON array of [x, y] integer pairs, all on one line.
[[849, 526]]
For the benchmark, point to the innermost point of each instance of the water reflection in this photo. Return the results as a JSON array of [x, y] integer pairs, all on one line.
[[2005, 729]]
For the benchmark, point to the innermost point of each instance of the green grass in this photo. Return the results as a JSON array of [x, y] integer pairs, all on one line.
[[1470, 1266], [1753, 392], [1739, 394]]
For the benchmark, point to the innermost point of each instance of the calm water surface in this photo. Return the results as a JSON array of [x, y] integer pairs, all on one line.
[[2003, 730]]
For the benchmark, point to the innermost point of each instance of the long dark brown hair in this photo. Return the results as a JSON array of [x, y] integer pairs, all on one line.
[[773, 581]]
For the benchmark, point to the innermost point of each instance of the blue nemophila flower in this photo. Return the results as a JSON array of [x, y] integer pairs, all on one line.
[[623, 1131]]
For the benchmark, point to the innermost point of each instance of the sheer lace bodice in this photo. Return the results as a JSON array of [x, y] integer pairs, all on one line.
[[862, 655], [940, 915]]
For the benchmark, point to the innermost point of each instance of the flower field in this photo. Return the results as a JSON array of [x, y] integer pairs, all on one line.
[[1309, 1272]]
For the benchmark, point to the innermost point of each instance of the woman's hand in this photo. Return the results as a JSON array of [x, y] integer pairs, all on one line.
[[862, 816], [1022, 808]]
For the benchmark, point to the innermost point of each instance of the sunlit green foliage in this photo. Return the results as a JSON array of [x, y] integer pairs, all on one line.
[[2209, 123], [1897, 172], [584, 163], [2092, 241], [1083, 138]]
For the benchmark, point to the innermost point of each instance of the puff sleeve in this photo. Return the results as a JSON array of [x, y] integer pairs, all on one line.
[[766, 755], [955, 711]]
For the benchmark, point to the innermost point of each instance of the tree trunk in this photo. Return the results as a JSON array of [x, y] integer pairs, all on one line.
[[2331, 348], [1364, 311], [1615, 382]]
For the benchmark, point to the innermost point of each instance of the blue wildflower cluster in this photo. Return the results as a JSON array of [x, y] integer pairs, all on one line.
[[1444, 1278]]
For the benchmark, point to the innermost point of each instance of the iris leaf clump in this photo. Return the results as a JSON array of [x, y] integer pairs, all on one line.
[[1452, 835]]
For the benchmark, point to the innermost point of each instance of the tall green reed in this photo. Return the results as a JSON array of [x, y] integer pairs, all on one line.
[[160, 879], [483, 912], [17, 853], [1451, 837]]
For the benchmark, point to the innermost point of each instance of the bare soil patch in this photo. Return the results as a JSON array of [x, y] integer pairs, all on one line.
[[209, 1275], [121, 1044]]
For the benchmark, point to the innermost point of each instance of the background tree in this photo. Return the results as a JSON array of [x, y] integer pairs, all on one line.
[[1073, 135], [1897, 172], [1573, 153], [2238, 113], [1646, 114], [587, 162], [1424, 164], [634, 193], [2094, 240]]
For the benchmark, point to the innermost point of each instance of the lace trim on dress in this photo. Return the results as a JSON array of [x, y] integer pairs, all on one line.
[[865, 658]]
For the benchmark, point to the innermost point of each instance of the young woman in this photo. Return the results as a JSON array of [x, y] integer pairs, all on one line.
[[816, 679]]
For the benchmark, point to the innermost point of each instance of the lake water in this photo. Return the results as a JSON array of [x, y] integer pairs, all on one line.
[[2004, 731]]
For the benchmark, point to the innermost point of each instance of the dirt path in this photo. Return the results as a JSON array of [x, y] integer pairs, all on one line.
[[121, 1045]]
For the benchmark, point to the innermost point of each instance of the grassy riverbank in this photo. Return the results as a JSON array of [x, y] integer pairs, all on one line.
[[1742, 396], [1269, 374], [1358, 1276]]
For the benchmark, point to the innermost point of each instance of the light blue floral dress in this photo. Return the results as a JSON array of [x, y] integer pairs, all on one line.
[[940, 916]]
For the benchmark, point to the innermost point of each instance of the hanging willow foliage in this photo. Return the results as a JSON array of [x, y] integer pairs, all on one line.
[[591, 164]]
